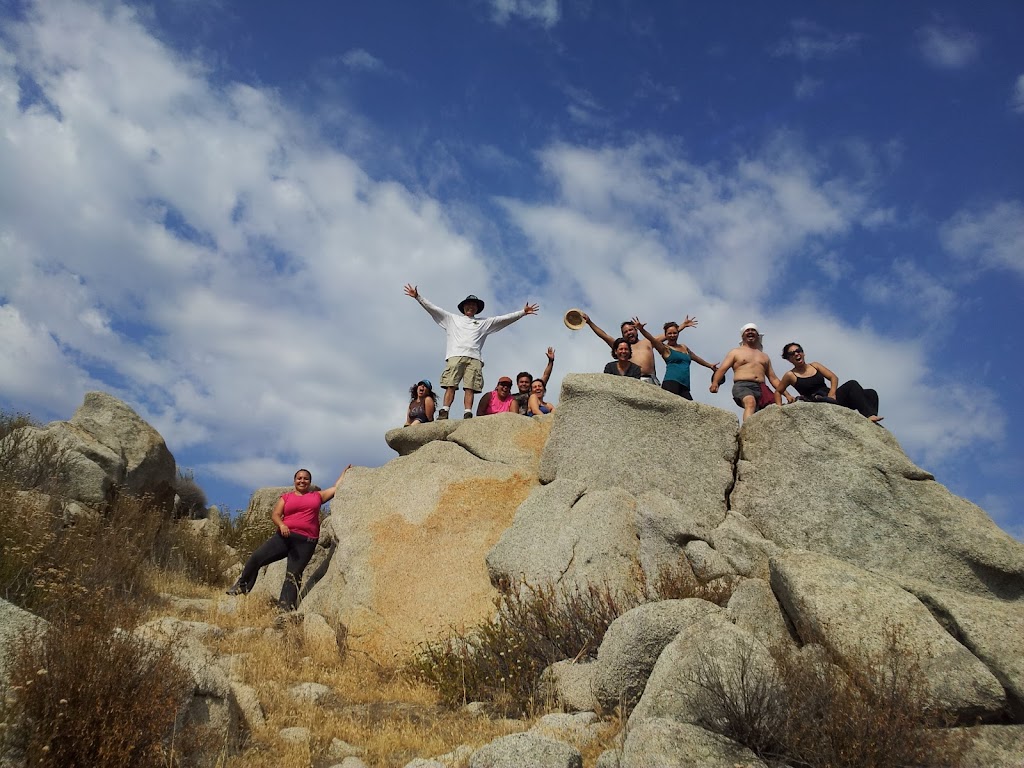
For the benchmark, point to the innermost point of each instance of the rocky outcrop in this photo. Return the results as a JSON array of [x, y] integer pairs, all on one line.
[[412, 537], [854, 613], [111, 450], [827, 480]]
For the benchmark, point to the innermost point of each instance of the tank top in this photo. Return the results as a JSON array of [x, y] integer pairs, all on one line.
[[809, 386], [677, 367]]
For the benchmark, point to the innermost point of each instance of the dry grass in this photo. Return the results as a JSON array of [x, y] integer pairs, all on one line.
[[383, 710]]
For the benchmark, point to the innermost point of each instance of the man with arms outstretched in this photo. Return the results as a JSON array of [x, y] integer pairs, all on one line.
[[465, 334]]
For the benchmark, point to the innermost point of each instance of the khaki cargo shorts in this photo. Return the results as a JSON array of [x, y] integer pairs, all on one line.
[[468, 370]]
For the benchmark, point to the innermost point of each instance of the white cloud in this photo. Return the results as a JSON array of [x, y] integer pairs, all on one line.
[[544, 12], [947, 47], [360, 59], [239, 280], [933, 300], [992, 238], [205, 248], [808, 40], [1017, 97]]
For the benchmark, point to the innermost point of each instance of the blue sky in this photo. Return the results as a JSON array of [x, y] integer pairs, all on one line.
[[209, 209]]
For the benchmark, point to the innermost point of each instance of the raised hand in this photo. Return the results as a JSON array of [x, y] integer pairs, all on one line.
[[410, 290], [531, 309], [551, 354], [689, 322]]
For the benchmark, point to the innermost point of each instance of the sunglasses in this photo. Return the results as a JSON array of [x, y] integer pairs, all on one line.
[[793, 352]]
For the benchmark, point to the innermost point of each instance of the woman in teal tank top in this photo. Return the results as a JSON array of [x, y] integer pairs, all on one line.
[[677, 357]]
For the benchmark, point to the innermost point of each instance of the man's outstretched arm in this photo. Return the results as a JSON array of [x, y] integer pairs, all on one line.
[[600, 333], [433, 310]]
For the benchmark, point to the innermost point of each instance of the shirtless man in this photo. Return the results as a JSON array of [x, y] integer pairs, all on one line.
[[643, 352], [750, 367]]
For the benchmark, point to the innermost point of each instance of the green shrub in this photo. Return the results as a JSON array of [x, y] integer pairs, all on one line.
[[82, 695]]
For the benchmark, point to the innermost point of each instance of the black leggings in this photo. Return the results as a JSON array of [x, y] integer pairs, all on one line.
[[852, 395], [676, 389], [297, 548]]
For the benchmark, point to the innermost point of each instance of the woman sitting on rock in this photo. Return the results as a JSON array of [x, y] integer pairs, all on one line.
[[809, 380], [537, 405], [421, 409], [677, 358], [621, 364], [297, 517]]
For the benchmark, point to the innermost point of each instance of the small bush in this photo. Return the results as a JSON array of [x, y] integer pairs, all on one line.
[[501, 661], [246, 534], [191, 498], [31, 461], [678, 582], [60, 571], [83, 695], [865, 711], [198, 557]]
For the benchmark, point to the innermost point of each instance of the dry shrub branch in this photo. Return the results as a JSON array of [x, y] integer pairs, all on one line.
[[83, 695], [812, 709], [500, 661]]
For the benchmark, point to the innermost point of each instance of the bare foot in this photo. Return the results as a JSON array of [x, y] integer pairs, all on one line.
[[875, 419]]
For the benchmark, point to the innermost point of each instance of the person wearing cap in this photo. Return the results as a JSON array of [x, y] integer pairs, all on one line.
[[750, 367], [465, 337], [421, 409], [500, 400], [524, 382]]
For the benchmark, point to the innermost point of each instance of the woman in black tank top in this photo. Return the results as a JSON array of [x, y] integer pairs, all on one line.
[[809, 380]]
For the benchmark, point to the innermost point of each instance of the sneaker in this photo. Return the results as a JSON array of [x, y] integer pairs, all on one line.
[[236, 589], [442, 414], [467, 415]]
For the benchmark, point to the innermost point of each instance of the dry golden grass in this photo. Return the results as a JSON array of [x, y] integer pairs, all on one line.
[[390, 715]]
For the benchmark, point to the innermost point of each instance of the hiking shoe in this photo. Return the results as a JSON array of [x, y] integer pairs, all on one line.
[[236, 589], [442, 414]]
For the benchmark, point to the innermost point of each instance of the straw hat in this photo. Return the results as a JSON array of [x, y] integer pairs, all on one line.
[[574, 319]]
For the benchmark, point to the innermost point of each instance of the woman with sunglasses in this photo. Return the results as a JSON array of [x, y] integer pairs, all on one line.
[[809, 380]]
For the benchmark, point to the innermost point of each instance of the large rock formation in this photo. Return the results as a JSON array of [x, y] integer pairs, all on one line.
[[111, 450], [833, 539], [412, 535]]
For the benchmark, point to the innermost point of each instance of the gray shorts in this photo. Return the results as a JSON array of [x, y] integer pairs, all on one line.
[[652, 379], [741, 389]]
